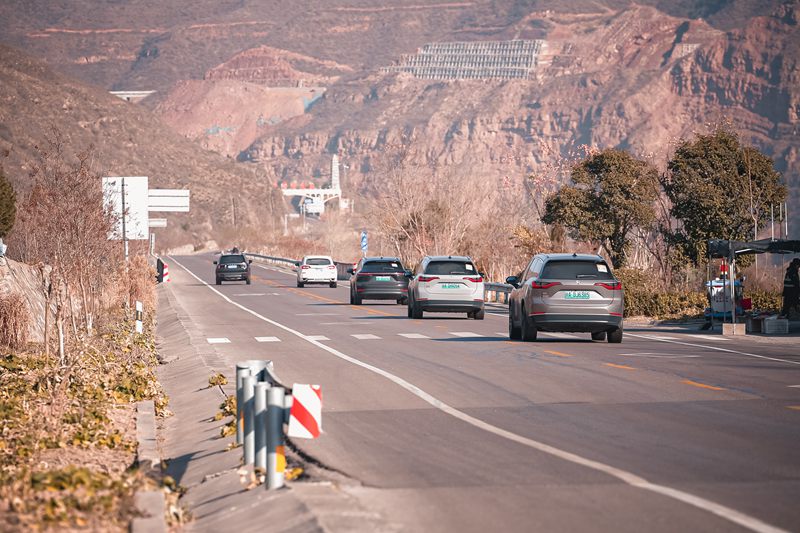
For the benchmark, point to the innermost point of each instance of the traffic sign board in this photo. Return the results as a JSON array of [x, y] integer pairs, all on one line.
[[364, 241]]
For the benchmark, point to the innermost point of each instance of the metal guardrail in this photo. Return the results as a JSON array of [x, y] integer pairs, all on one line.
[[494, 292]]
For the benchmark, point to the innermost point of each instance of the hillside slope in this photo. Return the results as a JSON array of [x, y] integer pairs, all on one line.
[[129, 140]]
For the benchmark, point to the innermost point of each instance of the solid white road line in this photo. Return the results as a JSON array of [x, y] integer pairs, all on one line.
[[659, 355], [366, 336], [252, 294], [267, 339], [464, 334], [629, 478], [794, 386], [413, 335], [716, 348], [218, 340], [710, 337]]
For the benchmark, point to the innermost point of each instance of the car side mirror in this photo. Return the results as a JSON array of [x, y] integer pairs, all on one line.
[[482, 274], [513, 280], [215, 262], [408, 274], [249, 261], [350, 271]]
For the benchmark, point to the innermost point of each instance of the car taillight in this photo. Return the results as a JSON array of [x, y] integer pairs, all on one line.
[[612, 286], [475, 280], [331, 267], [539, 285], [305, 267], [426, 279]]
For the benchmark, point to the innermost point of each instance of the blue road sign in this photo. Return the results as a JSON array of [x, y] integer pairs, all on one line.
[[364, 241]]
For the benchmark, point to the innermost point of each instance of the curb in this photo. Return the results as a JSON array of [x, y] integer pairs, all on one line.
[[149, 503]]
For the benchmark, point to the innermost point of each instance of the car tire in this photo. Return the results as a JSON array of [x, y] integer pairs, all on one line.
[[300, 284], [599, 336], [358, 300], [479, 314], [352, 299], [219, 281], [410, 313], [527, 330], [333, 284], [615, 337], [247, 280], [416, 311], [514, 332], [402, 301]]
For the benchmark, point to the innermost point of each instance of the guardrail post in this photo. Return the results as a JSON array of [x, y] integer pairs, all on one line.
[[276, 460], [260, 418], [248, 393], [242, 370]]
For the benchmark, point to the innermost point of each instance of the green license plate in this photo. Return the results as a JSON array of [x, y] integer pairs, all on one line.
[[450, 285], [577, 295], [383, 278]]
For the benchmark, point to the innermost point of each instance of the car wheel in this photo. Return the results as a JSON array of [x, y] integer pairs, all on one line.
[[300, 284], [410, 313], [479, 314], [615, 337], [333, 284], [514, 332], [416, 310], [219, 281], [599, 336], [247, 280], [358, 300], [527, 330], [352, 300]]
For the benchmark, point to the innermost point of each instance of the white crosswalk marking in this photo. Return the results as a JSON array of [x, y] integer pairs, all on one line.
[[365, 336], [267, 339], [413, 335], [218, 340], [317, 338], [464, 334]]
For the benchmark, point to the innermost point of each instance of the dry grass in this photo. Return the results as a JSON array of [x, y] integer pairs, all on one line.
[[14, 321]]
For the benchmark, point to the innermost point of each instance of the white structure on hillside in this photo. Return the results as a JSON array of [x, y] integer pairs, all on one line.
[[319, 197]]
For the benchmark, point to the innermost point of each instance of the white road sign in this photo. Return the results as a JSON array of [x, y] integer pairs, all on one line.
[[135, 205], [168, 200]]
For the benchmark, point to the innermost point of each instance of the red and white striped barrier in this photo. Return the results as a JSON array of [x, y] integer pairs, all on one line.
[[165, 277], [305, 418]]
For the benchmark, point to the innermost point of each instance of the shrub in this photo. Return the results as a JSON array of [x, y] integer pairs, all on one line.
[[14, 321]]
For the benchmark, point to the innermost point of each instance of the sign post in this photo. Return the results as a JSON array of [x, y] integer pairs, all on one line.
[[364, 243]]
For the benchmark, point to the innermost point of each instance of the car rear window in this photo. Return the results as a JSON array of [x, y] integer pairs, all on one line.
[[445, 268], [318, 261], [382, 266], [575, 269], [228, 259]]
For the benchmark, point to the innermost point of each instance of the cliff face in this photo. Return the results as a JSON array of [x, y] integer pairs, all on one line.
[[634, 79]]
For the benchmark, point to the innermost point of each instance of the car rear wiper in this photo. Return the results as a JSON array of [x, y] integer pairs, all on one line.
[[584, 276]]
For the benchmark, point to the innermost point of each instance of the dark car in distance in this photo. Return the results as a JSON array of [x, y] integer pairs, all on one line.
[[378, 278], [232, 267]]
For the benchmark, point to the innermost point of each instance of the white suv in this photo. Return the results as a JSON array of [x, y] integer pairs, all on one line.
[[446, 284], [316, 269]]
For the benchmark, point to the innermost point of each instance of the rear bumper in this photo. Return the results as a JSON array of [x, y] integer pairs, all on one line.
[[390, 293], [450, 306], [559, 322], [233, 276]]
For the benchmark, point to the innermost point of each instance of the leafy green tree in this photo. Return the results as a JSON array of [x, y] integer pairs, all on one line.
[[612, 194], [8, 205], [719, 189]]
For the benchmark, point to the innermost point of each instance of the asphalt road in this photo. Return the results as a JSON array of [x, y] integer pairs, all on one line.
[[450, 426]]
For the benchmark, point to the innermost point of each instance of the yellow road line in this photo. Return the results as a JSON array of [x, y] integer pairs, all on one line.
[[510, 342], [701, 385], [793, 407], [559, 354], [624, 367]]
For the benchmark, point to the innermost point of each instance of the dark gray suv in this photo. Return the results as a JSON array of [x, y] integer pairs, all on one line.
[[566, 293], [232, 267], [378, 278]]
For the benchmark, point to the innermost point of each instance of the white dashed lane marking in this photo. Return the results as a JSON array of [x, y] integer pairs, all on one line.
[[317, 338], [464, 334], [560, 335], [365, 336], [267, 339], [711, 337], [218, 340], [413, 335]]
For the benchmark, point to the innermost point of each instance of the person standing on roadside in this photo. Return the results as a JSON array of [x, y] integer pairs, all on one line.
[[791, 287]]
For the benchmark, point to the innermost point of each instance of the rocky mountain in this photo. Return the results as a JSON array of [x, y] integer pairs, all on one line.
[[237, 76], [128, 140]]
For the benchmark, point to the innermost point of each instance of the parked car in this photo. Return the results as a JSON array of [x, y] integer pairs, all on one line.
[[378, 278], [232, 267], [446, 284], [566, 293], [316, 269]]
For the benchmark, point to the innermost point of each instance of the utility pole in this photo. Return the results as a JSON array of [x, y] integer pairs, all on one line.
[[124, 229]]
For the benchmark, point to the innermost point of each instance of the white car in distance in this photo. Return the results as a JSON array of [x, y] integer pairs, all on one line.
[[316, 269]]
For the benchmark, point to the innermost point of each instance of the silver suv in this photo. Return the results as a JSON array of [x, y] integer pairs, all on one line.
[[569, 293], [449, 284]]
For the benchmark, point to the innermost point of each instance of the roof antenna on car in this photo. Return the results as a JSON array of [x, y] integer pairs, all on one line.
[[574, 254]]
